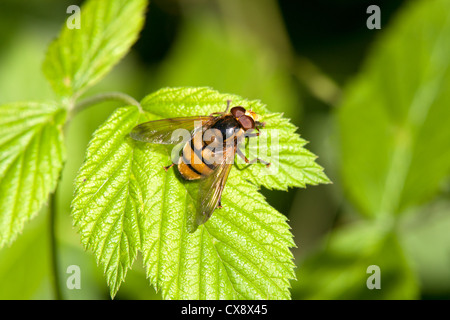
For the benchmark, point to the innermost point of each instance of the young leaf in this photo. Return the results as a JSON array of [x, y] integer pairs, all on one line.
[[126, 202], [31, 156], [108, 200], [394, 120], [79, 58]]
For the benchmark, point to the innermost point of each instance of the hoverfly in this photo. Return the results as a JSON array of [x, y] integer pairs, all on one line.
[[208, 153]]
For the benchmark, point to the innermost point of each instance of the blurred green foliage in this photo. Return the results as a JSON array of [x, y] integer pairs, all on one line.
[[384, 144]]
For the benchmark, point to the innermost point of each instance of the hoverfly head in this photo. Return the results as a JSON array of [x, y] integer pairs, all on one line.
[[255, 117], [252, 114], [246, 122], [246, 118]]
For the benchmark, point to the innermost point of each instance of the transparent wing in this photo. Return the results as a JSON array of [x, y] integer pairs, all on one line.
[[164, 131], [210, 190]]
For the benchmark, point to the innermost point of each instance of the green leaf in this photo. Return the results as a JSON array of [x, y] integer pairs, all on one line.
[[341, 269], [31, 157], [79, 58], [125, 202], [108, 201], [291, 164], [393, 122]]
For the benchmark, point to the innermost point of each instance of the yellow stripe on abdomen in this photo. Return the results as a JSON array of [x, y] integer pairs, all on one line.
[[187, 172]]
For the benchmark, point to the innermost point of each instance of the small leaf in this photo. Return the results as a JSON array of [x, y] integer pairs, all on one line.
[[79, 58], [126, 202], [31, 156], [108, 203]]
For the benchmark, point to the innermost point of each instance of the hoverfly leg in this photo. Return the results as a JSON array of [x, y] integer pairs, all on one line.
[[265, 162], [239, 152], [168, 167], [222, 113], [220, 203], [228, 105], [253, 134], [259, 124], [259, 160]]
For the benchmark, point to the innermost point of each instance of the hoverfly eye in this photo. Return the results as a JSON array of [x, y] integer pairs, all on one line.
[[247, 122], [237, 112]]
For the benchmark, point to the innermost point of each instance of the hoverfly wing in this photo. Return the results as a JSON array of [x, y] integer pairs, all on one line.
[[211, 191], [161, 131]]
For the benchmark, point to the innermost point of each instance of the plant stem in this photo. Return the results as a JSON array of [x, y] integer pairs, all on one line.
[[102, 97], [320, 85], [54, 271]]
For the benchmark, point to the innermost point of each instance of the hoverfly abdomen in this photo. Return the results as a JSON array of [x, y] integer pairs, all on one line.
[[207, 148], [191, 164]]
